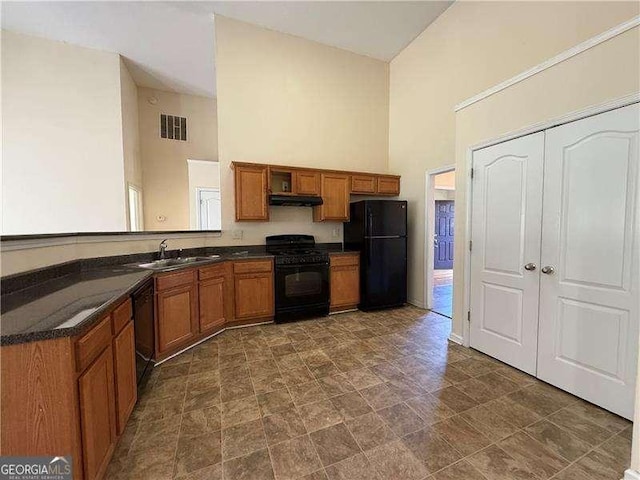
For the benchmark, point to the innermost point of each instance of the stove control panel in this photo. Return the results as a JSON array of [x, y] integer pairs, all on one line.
[[302, 259]]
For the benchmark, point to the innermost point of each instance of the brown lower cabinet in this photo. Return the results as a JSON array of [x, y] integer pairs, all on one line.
[[124, 358], [176, 318], [215, 297], [71, 395], [253, 290], [98, 414], [74, 395], [345, 281], [194, 304]]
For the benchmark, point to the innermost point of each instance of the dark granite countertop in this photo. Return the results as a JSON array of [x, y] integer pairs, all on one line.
[[65, 300], [65, 306]]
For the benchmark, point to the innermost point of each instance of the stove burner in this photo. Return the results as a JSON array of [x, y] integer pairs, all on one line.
[[295, 249]]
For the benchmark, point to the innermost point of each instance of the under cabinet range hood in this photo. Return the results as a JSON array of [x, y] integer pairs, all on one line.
[[295, 200]]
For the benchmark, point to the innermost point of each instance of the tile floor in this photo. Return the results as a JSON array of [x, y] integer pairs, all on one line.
[[370, 396], [443, 292]]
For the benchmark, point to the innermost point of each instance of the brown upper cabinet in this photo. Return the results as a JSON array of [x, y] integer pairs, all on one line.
[[255, 182], [251, 183], [306, 182], [363, 184], [335, 197], [388, 185]]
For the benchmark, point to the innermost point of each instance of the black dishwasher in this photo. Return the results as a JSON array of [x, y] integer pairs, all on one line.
[[145, 334]]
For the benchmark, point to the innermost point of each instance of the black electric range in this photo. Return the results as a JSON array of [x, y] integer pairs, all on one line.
[[301, 277]]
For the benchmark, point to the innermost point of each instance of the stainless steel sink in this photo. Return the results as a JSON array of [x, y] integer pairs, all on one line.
[[176, 262]]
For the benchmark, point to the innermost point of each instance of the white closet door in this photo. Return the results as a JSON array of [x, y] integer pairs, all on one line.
[[588, 339], [506, 223]]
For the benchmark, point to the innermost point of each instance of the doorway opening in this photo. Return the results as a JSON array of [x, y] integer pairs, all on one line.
[[440, 223]]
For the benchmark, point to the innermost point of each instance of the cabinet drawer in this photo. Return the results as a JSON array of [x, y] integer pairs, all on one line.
[[253, 266], [121, 315], [89, 346], [213, 271], [345, 260], [363, 184], [171, 280]]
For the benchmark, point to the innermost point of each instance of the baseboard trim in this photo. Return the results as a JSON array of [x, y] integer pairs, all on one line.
[[417, 303], [631, 475], [455, 338]]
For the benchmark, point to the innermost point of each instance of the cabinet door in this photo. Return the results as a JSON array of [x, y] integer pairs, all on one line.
[[590, 259], [388, 185], [253, 295], [335, 197], [177, 317], [307, 183], [251, 192], [505, 233], [212, 305], [345, 287], [97, 415], [363, 184], [124, 357]]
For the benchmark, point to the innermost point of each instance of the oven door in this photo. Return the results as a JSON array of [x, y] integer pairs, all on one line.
[[301, 285]]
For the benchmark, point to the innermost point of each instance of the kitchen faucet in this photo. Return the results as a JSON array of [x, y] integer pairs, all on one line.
[[162, 247]]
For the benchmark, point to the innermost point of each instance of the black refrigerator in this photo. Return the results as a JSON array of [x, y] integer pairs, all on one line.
[[378, 229]]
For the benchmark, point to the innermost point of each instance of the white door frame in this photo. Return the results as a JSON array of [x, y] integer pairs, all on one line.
[[569, 117], [429, 230]]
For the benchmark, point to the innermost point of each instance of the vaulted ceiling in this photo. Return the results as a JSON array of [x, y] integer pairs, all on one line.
[[170, 45]]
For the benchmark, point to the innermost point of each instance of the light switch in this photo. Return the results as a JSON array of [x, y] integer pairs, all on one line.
[[236, 234]]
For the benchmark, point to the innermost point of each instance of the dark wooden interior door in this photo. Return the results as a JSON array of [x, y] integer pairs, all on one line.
[[443, 239]]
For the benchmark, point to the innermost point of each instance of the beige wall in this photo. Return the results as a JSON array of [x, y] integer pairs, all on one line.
[[165, 176], [285, 100], [471, 47], [37, 253], [62, 149], [130, 137], [445, 180], [281, 100]]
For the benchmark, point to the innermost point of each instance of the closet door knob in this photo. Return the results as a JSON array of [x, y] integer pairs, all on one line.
[[530, 266], [548, 269]]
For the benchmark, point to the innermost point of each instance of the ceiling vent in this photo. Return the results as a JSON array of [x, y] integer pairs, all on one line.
[[173, 128]]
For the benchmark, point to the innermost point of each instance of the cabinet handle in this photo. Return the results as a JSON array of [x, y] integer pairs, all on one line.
[[530, 267], [548, 270]]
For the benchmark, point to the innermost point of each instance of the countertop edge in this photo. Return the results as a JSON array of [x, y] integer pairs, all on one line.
[[84, 325]]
